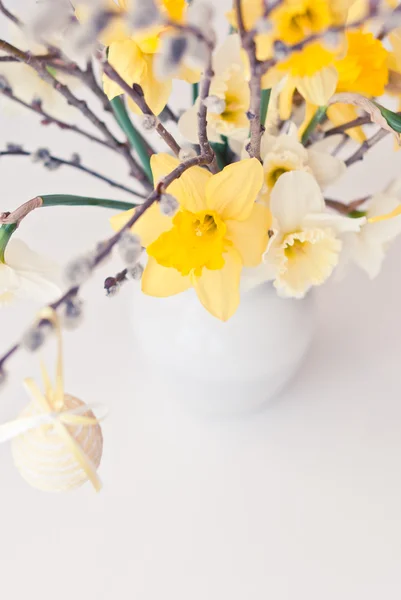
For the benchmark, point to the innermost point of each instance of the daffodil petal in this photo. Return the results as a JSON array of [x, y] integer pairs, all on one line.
[[285, 99], [250, 237], [148, 227], [319, 87], [326, 168], [156, 92], [218, 290], [339, 114], [232, 192], [128, 60], [295, 195], [189, 189], [162, 281]]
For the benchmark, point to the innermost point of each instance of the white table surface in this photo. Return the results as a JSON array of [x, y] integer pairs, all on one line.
[[299, 501]]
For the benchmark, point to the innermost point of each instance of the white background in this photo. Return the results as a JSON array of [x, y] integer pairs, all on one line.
[[300, 501]]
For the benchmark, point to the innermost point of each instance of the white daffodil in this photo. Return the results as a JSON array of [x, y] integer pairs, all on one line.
[[25, 274], [228, 100], [284, 153], [304, 246], [367, 248]]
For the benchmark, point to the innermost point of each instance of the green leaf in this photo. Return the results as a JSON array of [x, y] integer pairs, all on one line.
[[393, 119], [6, 232], [135, 138], [317, 118], [264, 105]]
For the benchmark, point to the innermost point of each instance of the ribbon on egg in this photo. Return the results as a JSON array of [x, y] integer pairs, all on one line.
[[52, 403]]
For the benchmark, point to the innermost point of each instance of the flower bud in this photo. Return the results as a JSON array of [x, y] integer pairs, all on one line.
[[136, 272], [263, 26], [149, 122], [281, 50], [4, 84], [3, 377], [36, 336], [186, 153], [130, 248], [168, 205], [72, 313], [111, 287], [40, 155], [78, 270], [215, 105]]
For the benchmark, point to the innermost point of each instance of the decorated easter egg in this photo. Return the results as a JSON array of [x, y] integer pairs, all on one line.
[[61, 455]]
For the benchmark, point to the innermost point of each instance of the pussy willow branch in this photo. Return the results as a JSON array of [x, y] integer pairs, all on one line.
[[367, 144], [36, 107], [8, 14], [81, 105], [74, 165], [108, 245], [136, 94], [204, 91], [269, 6], [345, 209], [255, 83], [358, 122]]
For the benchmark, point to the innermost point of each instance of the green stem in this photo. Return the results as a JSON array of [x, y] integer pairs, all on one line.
[[264, 105], [67, 200], [6, 232], [195, 92], [135, 138], [317, 118]]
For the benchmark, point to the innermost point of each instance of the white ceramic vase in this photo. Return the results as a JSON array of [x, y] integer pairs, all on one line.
[[221, 367]]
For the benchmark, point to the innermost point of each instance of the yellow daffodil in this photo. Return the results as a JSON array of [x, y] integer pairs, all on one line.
[[133, 54], [218, 229], [362, 69], [230, 88], [310, 70]]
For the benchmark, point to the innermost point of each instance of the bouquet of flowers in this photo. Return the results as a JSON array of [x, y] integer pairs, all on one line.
[[277, 111]]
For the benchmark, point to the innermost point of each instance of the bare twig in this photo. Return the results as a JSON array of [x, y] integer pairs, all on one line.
[[136, 94], [269, 7], [367, 144], [37, 108], [107, 246], [345, 209], [55, 161], [248, 43], [9, 15], [80, 105], [204, 90]]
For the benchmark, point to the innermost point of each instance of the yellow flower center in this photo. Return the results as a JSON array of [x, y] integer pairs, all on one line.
[[307, 62], [195, 241], [272, 176], [295, 249], [296, 19]]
